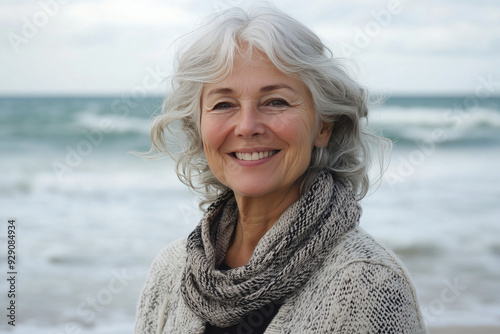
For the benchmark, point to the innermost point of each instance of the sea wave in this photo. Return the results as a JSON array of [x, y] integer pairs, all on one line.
[[56, 121], [47, 118], [405, 125], [117, 125], [434, 117]]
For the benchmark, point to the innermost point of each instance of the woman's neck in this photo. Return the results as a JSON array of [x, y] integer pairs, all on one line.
[[256, 216]]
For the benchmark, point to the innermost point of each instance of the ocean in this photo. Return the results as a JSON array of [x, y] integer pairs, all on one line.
[[90, 216]]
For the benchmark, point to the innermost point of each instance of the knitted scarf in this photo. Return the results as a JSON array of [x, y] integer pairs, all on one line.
[[283, 260]]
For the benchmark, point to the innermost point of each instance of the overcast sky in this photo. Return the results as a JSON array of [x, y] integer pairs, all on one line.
[[82, 47]]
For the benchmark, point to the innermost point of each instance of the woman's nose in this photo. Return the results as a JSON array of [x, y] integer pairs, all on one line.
[[249, 122]]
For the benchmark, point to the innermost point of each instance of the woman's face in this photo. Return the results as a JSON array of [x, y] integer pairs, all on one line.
[[258, 128]]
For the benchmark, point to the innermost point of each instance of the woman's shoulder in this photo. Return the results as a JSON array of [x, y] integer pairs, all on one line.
[[357, 246], [173, 254], [360, 287], [164, 277], [167, 265], [359, 258]]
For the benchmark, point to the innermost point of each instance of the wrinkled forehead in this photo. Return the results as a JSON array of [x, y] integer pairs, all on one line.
[[245, 54]]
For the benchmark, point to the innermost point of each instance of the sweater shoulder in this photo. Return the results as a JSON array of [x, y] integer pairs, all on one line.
[[357, 246], [360, 287], [167, 265], [172, 255], [164, 276]]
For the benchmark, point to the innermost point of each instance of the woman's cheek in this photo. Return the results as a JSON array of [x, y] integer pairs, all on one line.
[[207, 133]]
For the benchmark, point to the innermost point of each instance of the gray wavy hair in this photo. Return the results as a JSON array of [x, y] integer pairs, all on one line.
[[206, 56]]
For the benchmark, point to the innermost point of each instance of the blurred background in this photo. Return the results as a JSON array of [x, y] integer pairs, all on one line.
[[80, 82]]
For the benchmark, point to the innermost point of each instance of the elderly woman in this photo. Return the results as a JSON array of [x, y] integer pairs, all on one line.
[[275, 145]]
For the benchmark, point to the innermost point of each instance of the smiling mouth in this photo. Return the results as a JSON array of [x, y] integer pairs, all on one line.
[[254, 156]]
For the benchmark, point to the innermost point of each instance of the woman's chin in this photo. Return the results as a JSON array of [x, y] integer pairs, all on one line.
[[251, 190], [261, 183], [253, 187], [259, 188]]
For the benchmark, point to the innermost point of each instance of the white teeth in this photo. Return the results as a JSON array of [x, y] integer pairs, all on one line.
[[254, 156]]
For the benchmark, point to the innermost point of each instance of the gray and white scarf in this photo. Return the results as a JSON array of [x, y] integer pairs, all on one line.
[[283, 260]]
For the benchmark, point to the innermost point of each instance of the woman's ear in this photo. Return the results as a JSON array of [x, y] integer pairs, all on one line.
[[324, 133]]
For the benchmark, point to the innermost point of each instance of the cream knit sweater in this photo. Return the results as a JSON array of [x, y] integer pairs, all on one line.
[[360, 288]]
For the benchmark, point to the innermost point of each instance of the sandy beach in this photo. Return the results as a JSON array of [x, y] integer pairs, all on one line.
[[464, 330]]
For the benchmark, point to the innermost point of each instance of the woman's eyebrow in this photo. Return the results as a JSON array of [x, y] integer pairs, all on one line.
[[270, 88], [219, 91], [264, 89]]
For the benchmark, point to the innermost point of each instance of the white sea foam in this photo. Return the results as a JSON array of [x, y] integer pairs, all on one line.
[[439, 125], [436, 117], [113, 123]]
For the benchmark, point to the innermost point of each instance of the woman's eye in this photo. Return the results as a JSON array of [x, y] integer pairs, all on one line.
[[222, 106], [277, 103]]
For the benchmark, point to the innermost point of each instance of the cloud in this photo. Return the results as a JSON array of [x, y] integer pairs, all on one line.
[[120, 12], [105, 45]]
